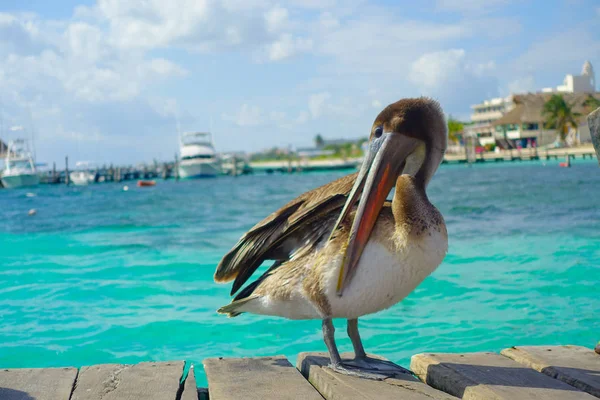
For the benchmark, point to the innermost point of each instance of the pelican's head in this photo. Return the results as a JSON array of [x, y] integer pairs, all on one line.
[[407, 137]]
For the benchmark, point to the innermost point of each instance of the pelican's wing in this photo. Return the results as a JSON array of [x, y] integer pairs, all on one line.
[[284, 232]]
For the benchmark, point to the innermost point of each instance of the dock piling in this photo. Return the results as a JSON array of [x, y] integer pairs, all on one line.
[[176, 167], [66, 170]]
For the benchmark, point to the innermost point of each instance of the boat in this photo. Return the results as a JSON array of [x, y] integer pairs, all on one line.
[[19, 167], [198, 156], [83, 176]]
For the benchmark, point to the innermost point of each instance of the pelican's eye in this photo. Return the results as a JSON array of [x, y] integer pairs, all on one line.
[[378, 131]]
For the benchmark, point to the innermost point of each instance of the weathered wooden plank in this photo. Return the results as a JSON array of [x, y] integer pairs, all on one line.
[[256, 379], [479, 376], [144, 381], [37, 383], [578, 366], [334, 386], [190, 391]]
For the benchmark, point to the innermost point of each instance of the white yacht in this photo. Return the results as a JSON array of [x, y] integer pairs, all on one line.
[[82, 175], [19, 167], [198, 156]]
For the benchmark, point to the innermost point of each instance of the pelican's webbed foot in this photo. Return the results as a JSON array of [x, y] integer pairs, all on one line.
[[376, 366], [357, 372]]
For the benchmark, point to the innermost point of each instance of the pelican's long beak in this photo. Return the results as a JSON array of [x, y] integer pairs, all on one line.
[[381, 167]]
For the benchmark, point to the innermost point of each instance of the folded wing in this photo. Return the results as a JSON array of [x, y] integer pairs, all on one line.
[[285, 232]]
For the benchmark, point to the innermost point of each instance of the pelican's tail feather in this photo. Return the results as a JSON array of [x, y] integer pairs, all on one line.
[[234, 308]]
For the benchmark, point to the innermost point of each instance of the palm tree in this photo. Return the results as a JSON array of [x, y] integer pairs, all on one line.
[[591, 103], [455, 127], [558, 114], [319, 142]]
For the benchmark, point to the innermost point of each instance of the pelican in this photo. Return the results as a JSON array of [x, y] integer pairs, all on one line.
[[342, 250]]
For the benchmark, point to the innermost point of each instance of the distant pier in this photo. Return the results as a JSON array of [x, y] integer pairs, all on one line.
[[522, 372], [110, 173], [527, 154]]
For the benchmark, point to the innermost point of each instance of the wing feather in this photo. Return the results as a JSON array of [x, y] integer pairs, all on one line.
[[281, 234]]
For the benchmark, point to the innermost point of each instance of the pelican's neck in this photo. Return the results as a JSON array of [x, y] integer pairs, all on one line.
[[431, 161], [411, 208]]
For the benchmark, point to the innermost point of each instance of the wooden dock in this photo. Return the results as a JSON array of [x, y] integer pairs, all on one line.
[[524, 372]]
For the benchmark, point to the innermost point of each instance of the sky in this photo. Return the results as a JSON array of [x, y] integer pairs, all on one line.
[[115, 80]]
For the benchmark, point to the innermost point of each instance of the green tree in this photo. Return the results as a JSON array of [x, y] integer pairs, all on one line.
[[455, 127], [319, 142], [591, 103], [559, 114]]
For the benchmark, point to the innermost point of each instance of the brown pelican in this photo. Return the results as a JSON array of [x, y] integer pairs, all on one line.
[[342, 250]]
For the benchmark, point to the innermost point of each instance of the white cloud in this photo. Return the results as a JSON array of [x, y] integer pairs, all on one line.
[[86, 42], [328, 21], [469, 6], [287, 46], [441, 68], [522, 85], [316, 103], [316, 4], [246, 116], [276, 18], [303, 117], [376, 104], [571, 47], [165, 107], [434, 69], [452, 78], [164, 67]]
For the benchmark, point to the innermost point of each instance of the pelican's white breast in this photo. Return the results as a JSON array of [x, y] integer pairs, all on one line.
[[386, 274]]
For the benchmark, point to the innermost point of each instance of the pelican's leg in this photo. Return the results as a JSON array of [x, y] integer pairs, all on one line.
[[329, 337], [364, 362], [359, 350], [334, 355]]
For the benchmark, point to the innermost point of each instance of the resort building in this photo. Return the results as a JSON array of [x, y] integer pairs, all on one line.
[[484, 114], [523, 125], [516, 120]]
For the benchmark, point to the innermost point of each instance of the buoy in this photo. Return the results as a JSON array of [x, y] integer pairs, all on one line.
[[566, 163], [125, 188], [30, 194], [33, 211], [146, 183]]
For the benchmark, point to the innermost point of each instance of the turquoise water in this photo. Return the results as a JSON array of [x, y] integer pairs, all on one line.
[[101, 275]]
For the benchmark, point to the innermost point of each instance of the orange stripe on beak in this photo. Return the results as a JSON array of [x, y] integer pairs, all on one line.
[[383, 169]]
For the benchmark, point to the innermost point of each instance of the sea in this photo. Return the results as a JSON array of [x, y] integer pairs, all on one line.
[[105, 275]]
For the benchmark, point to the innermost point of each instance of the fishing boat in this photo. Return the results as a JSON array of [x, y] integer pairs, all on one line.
[[198, 156], [19, 167], [83, 175]]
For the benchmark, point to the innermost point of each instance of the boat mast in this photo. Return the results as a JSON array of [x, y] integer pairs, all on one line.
[[32, 134]]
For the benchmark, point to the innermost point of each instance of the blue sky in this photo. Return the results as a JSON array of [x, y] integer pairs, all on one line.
[[110, 80]]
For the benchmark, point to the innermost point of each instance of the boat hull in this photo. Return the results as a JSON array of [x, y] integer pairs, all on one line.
[[198, 170], [21, 180], [82, 179]]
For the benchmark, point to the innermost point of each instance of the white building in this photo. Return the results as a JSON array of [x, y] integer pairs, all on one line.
[[584, 83], [485, 114]]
